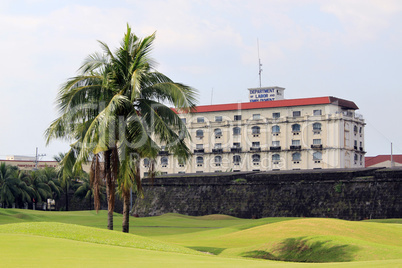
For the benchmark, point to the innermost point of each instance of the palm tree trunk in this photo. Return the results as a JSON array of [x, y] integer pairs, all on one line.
[[126, 211], [66, 197], [110, 191]]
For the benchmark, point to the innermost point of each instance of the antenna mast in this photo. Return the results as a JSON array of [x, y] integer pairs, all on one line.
[[259, 61], [37, 158]]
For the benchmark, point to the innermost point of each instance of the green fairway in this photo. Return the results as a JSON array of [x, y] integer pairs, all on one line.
[[172, 240]]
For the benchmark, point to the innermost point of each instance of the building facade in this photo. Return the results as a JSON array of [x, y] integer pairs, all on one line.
[[284, 134]]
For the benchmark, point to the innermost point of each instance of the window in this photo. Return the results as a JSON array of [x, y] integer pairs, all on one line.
[[255, 130], [256, 144], [276, 115], [218, 159], [199, 146], [276, 157], [236, 131], [164, 161], [236, 144], [256, 116], [218, 118], [164, 173], [236, 159], [296, 156], [200, 119], [355, 143], [256, 158], [361, 144], [360, 130], [356, 157], [296, 142], [237, 117], [296, 113], [276, 129], [183, 120], [317, 156], [295, 127], [218, 145], [317, 112], [199, 133], [200, 160], [317, 126], [199, 171], [316, 141], [146, 162], [146, 174], [182, 172], [276, 143], [355, 128], [218, 132]]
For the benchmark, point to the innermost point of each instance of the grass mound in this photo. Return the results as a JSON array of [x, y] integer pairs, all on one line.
[[336, 240], [303, 250], [91, 235]]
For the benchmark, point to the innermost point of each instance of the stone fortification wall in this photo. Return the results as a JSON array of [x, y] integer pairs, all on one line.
[[352, 194]]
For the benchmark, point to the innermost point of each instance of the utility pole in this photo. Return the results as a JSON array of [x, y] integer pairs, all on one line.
[[37, 158]]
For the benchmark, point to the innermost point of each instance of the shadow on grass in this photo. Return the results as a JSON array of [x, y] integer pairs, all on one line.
[[211, 250], [301, 250]]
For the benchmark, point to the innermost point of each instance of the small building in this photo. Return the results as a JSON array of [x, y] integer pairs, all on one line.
[[29, 164], [383, 161]]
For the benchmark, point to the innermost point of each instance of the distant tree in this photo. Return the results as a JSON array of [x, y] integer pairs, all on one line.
[[9, 189], [65, 173], [27, 192], [86, 192], [42, 191]]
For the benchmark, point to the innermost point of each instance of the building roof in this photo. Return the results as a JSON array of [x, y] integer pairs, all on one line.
[[374, 160], [276, 103]]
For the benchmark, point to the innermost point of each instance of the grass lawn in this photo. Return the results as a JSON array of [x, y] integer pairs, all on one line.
[[38, 238]]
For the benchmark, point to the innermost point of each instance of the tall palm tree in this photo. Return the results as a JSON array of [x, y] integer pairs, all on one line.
[[116, 109]]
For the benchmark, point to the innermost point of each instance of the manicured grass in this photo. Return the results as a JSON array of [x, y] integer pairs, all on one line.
[[91, 235], [178, 239], [23, 248]]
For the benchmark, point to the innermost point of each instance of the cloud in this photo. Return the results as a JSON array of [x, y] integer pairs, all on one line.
[[363, 20]]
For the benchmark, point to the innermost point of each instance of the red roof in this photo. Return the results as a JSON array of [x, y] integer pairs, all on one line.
[[277, 103], [374, 160]]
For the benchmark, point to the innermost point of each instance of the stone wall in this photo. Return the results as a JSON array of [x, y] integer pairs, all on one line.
[[351, 194]]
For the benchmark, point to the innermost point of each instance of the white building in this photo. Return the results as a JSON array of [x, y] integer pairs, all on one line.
[[284, 134]]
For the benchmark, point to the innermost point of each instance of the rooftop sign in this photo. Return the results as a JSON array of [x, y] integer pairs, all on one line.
[[266, 94]]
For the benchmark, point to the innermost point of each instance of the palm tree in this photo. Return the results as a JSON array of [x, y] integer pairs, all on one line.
[[86, 191], [26, 191], [9, 189], [116, 110], [42, 190], [65, 173], [50, 177]]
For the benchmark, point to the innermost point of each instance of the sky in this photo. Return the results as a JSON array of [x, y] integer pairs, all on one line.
[[350, 49]]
